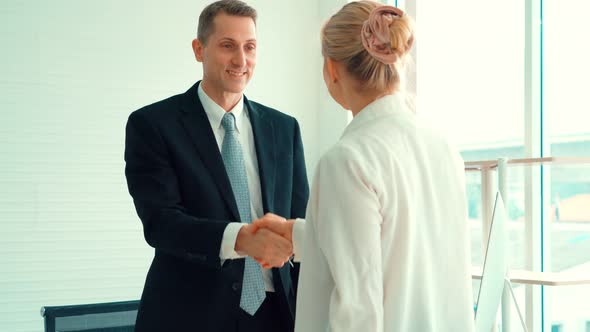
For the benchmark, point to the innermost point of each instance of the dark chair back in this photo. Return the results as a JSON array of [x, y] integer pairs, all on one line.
[[96, 317]]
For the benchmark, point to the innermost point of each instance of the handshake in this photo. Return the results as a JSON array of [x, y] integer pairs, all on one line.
[[267, 240]]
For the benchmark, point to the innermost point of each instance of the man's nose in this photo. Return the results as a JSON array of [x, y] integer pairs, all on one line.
[[239, 58]]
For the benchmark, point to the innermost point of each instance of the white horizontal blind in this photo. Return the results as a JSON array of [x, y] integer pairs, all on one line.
[[71, 72]]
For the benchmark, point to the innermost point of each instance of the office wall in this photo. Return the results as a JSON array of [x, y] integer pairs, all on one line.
[[70, 74]]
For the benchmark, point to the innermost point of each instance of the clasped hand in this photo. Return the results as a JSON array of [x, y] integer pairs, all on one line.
[[268, 240]]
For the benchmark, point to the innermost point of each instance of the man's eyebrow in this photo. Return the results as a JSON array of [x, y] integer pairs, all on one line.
[[233, 40]]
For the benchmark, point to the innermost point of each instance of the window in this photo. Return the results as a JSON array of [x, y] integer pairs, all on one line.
[[566, 132], [503, 85], [470, 82], [469, 74], [565, 74]]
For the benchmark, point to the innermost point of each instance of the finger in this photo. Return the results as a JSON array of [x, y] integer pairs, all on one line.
[[281, 257], [276, 250], [272, 235], [254, 228], [283, 245], [267, 222], [250, 228], [274, 217], [278, 241], [274, 262], [261, 260], [264, 264], [276, 227], [260, 223], [265, 234]]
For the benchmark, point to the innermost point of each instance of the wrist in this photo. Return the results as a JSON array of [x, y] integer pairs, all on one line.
[[243, 239]]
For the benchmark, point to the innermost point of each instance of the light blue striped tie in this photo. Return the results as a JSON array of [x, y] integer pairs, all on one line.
[[253, 292]]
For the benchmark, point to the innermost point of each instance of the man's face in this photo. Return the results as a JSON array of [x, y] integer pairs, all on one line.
[[229, 57]]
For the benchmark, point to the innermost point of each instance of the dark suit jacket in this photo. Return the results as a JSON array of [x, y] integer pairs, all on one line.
[[183, 197]]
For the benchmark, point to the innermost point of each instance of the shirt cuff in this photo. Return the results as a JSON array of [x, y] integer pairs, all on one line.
[[228, 242], [298, 236]]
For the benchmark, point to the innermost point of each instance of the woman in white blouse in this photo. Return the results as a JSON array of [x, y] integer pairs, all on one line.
[[386, 239]]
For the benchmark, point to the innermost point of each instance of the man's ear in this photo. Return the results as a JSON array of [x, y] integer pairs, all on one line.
[[198, 49], [332, 67]]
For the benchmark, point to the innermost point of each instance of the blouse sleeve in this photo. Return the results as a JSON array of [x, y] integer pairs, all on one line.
[[348, 226]]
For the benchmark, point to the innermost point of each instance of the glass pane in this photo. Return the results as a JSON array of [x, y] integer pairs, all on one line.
[[565, 77], [561, 311], [473, 188], [474, 216], [470, 74], [515, 210], [567, 243]]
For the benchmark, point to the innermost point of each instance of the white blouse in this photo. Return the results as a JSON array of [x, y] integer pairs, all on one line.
[[386, 244]]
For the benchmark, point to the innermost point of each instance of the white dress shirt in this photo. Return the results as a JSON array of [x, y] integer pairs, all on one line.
[[387, 244], [246, 138]]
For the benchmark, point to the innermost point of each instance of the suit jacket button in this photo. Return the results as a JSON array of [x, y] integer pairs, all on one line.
[[235, 286]]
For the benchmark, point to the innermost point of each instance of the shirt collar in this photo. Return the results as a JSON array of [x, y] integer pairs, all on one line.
[[215, 112], [388, 104]]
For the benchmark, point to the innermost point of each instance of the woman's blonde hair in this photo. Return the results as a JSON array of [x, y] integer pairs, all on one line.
[[342, 42]]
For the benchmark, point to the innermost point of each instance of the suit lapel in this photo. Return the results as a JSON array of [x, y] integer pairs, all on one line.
[[198, 128], [266, 152], [265, 143]]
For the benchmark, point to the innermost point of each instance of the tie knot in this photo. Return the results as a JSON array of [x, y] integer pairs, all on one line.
[[228, 122]]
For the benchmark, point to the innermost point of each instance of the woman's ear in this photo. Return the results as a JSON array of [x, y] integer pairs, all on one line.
[[332, 68]]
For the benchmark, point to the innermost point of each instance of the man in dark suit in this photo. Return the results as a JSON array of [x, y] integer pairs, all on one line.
[[201, 167]]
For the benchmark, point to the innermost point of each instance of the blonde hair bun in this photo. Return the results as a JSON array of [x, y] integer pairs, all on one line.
[[371, 39]]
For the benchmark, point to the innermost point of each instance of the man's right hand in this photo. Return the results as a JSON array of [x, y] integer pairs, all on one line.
[[280, 226], [266, 247]]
